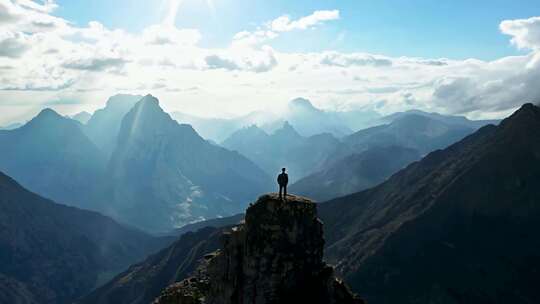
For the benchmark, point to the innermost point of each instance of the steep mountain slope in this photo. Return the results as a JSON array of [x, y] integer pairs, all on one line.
[[165, 175], [283, 148], [144, 281], [50, 253], [355, 173], [51, 155], [103, 127], [460, 226]]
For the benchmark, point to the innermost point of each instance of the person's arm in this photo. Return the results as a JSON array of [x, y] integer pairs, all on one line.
[[286, 178]]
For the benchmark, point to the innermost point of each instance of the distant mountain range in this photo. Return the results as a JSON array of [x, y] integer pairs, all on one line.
[[50, 253], [285, 147], [327, 167], [301, 114], [456, 227], [419, 131]]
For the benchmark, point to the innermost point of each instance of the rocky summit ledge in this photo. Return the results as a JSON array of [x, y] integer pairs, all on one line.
[[275, 256]]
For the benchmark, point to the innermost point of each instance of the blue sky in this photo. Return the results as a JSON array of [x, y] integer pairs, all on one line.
[[457, 29]]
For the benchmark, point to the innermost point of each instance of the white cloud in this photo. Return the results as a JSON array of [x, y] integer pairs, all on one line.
[[166, 34], [285, 24], [525, 32], [281, 24], [354, 59], [43, 58], [13, 45]]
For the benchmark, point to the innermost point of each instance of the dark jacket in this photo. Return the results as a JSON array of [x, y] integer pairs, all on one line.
[[283, 179]]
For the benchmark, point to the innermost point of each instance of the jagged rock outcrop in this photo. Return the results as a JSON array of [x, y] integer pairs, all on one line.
[[274, 257]]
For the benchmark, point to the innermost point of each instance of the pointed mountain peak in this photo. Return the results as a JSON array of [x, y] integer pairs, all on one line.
[[47, 115], [48, 112], [149, 104], [523, 119], [287, 130], [147, 118], [122, 100], [48, 118]]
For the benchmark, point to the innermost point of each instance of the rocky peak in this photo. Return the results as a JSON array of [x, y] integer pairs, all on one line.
[[286, 132], [526, 119], [274, 257], [146, 120], [122, 100], [48, 119]]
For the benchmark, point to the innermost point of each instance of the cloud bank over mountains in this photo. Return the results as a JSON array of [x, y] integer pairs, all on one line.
[[45, 58]]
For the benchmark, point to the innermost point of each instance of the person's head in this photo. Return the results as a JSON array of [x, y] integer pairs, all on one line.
[[283, 170]]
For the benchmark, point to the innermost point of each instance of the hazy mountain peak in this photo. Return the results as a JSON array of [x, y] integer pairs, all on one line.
[[82, 117], [48, 112], [47, 117], [149, 105], [120, 100], [302, 103], [288, 130]]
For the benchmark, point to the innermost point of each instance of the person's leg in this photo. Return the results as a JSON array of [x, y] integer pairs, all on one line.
[[285, 191], [280, 189]]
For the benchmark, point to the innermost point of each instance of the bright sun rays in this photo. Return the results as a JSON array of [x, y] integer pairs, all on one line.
[[170, 9]]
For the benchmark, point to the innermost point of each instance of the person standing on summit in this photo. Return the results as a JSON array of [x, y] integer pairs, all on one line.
[[283, 180]]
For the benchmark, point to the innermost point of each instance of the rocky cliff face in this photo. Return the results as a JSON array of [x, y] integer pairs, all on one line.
[[274, 257]]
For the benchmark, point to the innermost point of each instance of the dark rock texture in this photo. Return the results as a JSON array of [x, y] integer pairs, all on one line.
[[459, 226], [274, 257], [144, 281]]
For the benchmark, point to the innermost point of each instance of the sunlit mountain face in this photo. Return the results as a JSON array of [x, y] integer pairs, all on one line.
[[141, 143]]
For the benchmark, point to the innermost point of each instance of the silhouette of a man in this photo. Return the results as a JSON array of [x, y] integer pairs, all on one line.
[[283, 180]]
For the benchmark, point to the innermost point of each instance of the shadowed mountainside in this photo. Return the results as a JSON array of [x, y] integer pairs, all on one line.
[[355, 173], [52, 253], [457, 227]]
